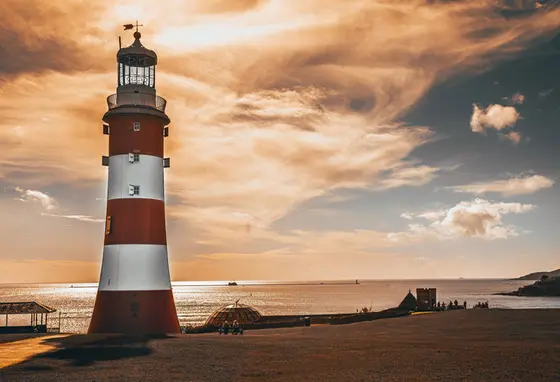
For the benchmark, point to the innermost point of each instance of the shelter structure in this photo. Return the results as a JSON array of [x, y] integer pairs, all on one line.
[[409, 302], [39, 315], [244, 314]]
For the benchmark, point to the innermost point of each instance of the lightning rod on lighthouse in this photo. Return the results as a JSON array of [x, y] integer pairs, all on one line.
[[134, 294]]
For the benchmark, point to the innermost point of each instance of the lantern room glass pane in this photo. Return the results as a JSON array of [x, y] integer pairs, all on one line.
[[144, 72], [126, 74], [133, 75], [120, 74], [140, 76]]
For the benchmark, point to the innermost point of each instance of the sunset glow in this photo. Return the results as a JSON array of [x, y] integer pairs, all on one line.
[[309, 140]]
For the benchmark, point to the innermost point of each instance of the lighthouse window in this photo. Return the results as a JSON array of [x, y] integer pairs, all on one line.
[[133, 189], [136, 126], [108, 225], [133, 158]]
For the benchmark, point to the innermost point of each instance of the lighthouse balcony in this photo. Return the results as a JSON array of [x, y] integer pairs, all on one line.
[[136, 99]]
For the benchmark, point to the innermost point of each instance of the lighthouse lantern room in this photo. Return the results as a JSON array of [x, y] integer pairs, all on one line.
[[134, 294]]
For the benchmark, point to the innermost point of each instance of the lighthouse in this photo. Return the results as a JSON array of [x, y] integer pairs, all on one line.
[[134, 294]]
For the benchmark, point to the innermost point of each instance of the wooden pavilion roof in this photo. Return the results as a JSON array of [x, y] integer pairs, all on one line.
[[24, 308]]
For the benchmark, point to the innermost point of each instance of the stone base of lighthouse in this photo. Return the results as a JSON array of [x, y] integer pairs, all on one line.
[[134, 312]]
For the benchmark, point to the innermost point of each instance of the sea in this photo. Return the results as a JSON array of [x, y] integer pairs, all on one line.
[[195, 301]]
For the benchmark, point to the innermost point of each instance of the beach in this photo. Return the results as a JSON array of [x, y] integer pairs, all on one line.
[[472, 345]]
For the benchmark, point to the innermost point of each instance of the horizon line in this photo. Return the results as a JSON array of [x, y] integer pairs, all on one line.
[[277, 281]]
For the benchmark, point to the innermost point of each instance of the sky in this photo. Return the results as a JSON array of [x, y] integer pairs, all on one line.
[[317, 139]]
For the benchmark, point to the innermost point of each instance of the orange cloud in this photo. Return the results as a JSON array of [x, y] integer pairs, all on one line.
[[518, 185], [477, 218]]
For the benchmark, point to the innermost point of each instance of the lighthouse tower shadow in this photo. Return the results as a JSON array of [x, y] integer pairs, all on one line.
[[107, 348]]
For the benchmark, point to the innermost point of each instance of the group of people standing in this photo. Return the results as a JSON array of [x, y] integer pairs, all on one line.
[[452, 305], [235, 327]]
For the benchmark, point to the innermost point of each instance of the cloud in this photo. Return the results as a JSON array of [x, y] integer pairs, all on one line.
[[518, 185], [520, 5], [36, 37], [266, 152], [545, 93], [226, 6], [499, 118], [405, 175], [49, 203], [517, 98], [40, 140], [496, 117], [432, 215], [478, 218], [407, 216], [514, 136], [35, 196], [83, 218]]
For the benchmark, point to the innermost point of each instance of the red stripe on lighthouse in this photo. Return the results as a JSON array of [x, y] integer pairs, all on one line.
[[147, 140], [134, 312], [136, 221]]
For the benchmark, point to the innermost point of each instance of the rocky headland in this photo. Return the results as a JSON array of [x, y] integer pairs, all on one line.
[[539, 275], [546, 286]]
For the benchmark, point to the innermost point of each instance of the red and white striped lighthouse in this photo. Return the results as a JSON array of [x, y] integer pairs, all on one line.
[[134, 294]]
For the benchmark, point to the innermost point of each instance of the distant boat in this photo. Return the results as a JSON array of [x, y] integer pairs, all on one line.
[[232, 283]]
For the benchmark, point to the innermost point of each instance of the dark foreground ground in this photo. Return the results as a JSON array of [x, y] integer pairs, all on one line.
[[473, 345]]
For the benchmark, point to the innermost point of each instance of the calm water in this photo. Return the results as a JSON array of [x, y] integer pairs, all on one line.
[[196, 301]]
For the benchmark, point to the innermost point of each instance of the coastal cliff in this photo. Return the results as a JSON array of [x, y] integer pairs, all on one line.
[[547, 286], [539, 275]]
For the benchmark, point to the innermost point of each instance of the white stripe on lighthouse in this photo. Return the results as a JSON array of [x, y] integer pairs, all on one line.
[[129, 267], [147, 173]]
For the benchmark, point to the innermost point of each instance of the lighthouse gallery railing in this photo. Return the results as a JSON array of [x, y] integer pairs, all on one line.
[[136, 99]]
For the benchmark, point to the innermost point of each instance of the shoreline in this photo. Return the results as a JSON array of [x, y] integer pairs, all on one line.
[[220, 283], [194, 310]]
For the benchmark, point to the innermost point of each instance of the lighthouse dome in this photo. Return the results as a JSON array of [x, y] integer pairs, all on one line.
[[137, 67], [137, 50]]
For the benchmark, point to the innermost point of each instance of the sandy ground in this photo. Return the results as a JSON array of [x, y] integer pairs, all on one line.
[[473, 345]]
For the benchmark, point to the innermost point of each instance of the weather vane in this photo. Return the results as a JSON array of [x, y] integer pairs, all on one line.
[[130, 26]]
